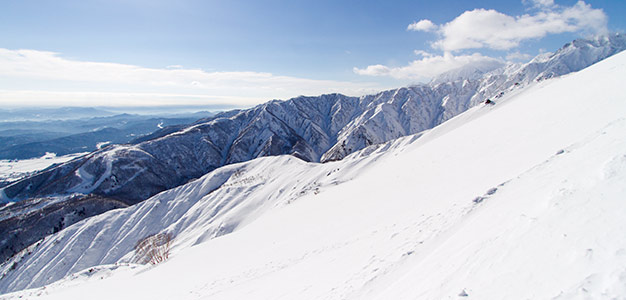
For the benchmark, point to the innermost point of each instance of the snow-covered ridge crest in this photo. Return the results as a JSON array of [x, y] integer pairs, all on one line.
[[487, 205]]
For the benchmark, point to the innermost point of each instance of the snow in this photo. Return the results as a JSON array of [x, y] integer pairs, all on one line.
[[88, 181], [102, 144], [393, 221], [544, 234], [13, 170]]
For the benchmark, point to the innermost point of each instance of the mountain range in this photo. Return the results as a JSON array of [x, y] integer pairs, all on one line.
[[521, 199], [314, 129]]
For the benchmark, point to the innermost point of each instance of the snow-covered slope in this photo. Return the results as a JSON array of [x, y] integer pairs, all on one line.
[[518, 200]]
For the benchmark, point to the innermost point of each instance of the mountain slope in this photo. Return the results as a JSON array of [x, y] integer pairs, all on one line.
[[522, 199]]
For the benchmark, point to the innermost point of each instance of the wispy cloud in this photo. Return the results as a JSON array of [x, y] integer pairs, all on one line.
[[540, 3], [423, 53], [119, 99], [518, 56], [54, 80]]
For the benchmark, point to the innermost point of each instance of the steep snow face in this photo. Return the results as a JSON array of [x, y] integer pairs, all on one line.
[[324, 128], [522, 199]]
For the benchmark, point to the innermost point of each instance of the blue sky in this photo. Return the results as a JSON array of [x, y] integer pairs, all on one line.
[[240, 53]]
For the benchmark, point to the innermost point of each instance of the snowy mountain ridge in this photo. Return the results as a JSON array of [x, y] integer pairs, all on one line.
[[486, 205], [323, 128]]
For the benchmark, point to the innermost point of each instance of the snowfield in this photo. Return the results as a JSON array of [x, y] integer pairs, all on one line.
[[519, 200], [13, 170]]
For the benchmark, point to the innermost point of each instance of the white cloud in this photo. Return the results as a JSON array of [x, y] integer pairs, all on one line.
[[518, 56], [540, 3], [422, 25], [31, 77], [429, 66], [423, 53], [373, 70], [482, 28]]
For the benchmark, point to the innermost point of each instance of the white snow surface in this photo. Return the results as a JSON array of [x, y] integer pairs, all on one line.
[[13, 170], [519, 200]]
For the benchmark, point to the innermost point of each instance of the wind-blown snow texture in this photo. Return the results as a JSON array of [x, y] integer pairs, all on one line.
[[323, 128], [521, 200]]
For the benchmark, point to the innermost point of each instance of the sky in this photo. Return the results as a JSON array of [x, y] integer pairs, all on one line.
[[234, 53]]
